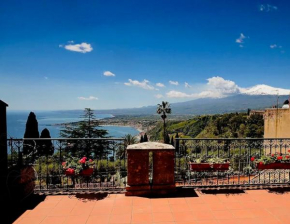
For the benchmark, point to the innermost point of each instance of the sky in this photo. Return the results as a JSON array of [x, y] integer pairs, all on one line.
[[58, 55]]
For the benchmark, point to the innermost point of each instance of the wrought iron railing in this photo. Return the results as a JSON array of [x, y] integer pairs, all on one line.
[[47, 157], [110, 162], [239, 153]]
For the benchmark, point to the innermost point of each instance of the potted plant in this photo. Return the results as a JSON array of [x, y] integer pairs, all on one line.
[[204, 163], [273, 161], [75, 166]]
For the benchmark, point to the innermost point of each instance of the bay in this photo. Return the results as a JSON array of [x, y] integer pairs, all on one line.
[[16, 122]]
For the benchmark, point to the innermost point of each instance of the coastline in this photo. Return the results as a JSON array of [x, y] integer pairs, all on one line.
[[128, 126]]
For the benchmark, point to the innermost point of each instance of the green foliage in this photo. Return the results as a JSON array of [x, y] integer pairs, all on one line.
[[233, 125], [31, 131], [45, 147], [87, 128], [273, 158], [206, 159], [164, 109]]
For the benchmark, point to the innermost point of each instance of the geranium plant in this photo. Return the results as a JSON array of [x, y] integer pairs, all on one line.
[[204, 163], [74, 165], [272, 158], [208, 159]]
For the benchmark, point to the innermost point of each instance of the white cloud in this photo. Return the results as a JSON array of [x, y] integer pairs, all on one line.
[[176, 94], [144, 84], [187, 85], [88, 98], [241, 39], [82, 47], [216, 87], [272, 46], [267, 8], [108, 73], [173, 83], [160, 84], [158, 96], [222, 86], [70, 41]]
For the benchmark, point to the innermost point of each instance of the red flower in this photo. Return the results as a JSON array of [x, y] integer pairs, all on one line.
[[272, 155], [70, 171], [252, 159], [82, 160], [90, 160], [280, 157], [287, 156], [261, 163], [63, 163], [288, 150]]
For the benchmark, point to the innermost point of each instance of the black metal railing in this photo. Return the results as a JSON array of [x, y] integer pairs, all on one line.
[[108, 155], [48, 158], [240, 154]]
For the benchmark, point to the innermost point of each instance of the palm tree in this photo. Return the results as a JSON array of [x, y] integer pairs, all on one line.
[[128, 140], [163, 109]]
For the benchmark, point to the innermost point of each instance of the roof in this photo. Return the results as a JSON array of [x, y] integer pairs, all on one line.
[[3, 103], [150, 146]]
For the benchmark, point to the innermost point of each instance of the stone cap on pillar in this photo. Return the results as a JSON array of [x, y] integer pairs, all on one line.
[[150, 146], [3, 104]]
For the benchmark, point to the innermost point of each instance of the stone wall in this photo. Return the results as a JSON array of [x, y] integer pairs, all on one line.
[[277, 123]]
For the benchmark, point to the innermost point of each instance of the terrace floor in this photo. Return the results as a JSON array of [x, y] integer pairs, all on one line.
[[196, 207]]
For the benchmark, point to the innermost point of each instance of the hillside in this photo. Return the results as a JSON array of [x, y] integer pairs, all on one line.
[[237, 103], [233, 125]]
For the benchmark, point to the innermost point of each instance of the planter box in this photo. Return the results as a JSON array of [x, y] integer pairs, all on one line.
[[209, 167], [87, 172], [273, 166], [70, 172]]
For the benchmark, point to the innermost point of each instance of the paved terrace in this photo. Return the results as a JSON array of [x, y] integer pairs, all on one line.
[[196, 207]]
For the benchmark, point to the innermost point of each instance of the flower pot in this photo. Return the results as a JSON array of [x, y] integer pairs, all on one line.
[[87, 172], [70, 172], [273, 166], [199, 167]]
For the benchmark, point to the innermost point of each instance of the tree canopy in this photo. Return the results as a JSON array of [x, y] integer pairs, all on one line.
[[87, 128]]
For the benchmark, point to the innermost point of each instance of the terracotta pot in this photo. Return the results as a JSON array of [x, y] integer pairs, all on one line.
[[199, 167], [87, 172], [273, 166], [70, 172]]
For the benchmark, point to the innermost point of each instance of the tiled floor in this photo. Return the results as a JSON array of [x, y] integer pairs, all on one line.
[[253, 206]]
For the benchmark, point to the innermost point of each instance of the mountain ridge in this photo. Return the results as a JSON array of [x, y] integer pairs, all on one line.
[[235, 103]]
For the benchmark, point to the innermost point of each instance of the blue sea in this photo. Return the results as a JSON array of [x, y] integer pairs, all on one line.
[[16, 121]]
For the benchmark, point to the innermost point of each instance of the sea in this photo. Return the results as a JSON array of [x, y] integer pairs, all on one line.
[[16, 122]]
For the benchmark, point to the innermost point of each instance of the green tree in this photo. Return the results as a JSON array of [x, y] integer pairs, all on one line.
[[31, 131], [145, 139], [172, 141], [167, 139], [164, 109], [87, 128], [45, 147], [128, 140], [255, 126]]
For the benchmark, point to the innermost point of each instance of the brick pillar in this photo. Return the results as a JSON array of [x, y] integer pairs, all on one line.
[[138, 169], [163, 170]]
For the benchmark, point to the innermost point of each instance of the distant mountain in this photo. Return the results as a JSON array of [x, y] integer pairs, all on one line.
[[264, 90], [236, 103]]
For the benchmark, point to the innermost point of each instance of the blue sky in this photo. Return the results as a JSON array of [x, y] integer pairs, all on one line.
[[111, 54]]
